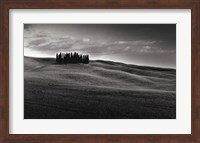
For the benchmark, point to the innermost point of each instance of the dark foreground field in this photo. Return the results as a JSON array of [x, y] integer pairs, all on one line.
[[99, 90]]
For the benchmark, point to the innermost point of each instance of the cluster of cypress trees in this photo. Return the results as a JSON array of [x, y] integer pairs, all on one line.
[[65, 58]]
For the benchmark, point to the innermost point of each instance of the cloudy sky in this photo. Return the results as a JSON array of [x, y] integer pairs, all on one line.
[[141, 44]]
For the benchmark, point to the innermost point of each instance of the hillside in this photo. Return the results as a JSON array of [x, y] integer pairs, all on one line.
[[98, 90]]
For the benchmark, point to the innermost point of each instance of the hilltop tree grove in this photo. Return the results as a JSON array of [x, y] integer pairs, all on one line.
[[66, 58]]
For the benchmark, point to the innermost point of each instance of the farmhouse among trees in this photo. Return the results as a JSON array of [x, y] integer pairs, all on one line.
[[73, 58]]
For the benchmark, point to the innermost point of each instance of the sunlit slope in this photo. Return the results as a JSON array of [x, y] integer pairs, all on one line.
[[101, 89]]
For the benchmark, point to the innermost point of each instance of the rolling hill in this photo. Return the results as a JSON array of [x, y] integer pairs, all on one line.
[[98, 90]]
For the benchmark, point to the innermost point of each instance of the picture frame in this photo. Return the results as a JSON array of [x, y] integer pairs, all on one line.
[[6, 5]]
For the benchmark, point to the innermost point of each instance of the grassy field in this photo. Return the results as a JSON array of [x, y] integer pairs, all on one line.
[[98, 90]]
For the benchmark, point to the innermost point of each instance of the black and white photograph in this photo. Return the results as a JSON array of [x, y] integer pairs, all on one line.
[[99, 71]]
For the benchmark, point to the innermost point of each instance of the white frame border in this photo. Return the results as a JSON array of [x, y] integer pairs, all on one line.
[[180, 125]]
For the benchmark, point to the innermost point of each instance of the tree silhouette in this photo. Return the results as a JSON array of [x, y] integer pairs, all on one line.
[[56, 57], [74, 58]]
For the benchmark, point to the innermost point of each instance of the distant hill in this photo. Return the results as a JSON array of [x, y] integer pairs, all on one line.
[[98, 90]]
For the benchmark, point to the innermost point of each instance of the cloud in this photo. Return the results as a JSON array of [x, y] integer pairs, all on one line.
[[127, 48], [86, 39], [39, 41], [42, 34], [147, 47], [48, 43]]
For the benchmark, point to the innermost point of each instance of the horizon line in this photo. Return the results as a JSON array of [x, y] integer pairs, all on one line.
[[109, 61]]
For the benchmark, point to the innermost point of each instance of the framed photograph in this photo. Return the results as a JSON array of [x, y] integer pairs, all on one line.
[[99, 71]]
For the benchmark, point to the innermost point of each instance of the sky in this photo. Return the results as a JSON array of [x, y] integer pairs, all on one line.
[[140, 44]]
